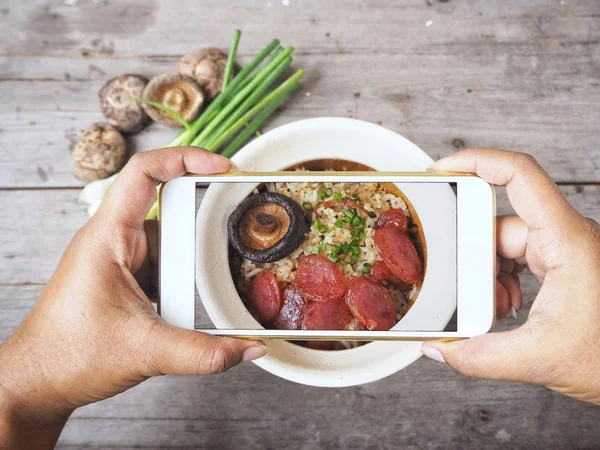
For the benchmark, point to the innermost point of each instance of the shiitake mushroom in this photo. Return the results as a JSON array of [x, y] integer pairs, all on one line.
[[99, 153], [267, 227], [207, 67], [118, 102], [177, 92]]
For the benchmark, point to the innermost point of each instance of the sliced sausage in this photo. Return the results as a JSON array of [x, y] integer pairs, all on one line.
[[393, 218], [264, 296], [382, 273], [348, 203], [292, 311], [371, 304], [399, 253], [320, 279], [333, 315]]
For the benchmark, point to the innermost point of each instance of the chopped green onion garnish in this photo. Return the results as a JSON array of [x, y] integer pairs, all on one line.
[[349, 213], [356, 197], [355, 250], [323, 229], [321, 193], [335, 249], [339, 223], [357, 222], [347, 219], [366, 268], [323, 246], [362, 236], [315, 250], [329, 191], [333, 257], [345, 248], [307, 206], [316, 223], [355, 256], [337, 196]]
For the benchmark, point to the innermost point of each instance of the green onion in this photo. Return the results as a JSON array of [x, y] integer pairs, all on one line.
[[321, 193], [362, 236], [315, 250], [349, 214], [339, 223], [307, 206], [213, 109], [366, 268], [329, 191], [333, 257], [316, 223], [337, 196], [231, 59], [323, 246], [356, 197], [323, 229], [347, 219], [169, 111], [335, 249], [358, 222], [355, 250], [355, 256], [345, 248]]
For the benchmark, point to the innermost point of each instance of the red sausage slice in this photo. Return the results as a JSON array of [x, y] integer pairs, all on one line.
[[371, 304], [393, 218], [332, 315], [399, 254], [320, 279], [381, 272], [292, 311], [264, 296]]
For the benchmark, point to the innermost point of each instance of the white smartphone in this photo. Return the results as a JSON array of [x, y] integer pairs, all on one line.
[[341, 257]]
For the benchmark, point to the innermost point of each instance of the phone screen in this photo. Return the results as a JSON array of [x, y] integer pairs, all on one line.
[[326, 256]]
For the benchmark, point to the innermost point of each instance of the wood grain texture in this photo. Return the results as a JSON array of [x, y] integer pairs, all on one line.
[[514, 74], [521, 75]]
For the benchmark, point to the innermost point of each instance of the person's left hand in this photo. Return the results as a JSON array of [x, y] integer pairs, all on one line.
[[93, 332]]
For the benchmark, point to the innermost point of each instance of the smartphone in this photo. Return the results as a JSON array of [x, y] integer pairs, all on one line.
[[341, 257]]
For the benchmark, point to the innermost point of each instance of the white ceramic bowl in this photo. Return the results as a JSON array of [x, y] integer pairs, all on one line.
[[312, 139]]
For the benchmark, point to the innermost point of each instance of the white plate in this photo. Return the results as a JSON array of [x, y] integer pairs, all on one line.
[[294, 143]]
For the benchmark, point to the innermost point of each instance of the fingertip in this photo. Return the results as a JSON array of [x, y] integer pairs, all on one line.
[[255, 352], [432, 353]]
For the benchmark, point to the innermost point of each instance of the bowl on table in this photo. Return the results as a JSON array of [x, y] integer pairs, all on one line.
[[334, 143]]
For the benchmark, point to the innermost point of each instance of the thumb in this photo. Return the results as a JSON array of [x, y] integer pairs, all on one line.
[[177, 351], [509, 355]]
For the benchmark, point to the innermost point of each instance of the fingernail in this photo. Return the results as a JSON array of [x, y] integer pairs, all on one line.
[[256, 352], [432, 353], [430, 168], [513, 312]]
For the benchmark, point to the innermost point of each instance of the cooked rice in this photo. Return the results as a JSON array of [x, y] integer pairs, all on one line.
[[373, 197]]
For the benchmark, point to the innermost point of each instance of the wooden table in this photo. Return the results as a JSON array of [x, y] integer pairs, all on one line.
[[517, 74]]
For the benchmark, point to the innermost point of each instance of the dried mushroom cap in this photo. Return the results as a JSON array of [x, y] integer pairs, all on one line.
[[177, 92], [117, 99], [207, 67], [267, 227], [99, 153], [263, 225]]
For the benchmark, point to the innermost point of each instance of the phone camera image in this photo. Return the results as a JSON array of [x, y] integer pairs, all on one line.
[[326, 255]]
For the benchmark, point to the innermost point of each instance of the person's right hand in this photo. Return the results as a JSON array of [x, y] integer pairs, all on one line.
[[559, 344]]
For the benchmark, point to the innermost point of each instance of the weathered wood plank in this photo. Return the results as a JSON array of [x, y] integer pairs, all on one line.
[[491, 74], [149, 27]]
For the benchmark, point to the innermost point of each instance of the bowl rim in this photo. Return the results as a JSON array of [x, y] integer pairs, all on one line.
[[323, 375]]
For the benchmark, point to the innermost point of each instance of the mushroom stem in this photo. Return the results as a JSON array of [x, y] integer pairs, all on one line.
[[231, 59], [206, 117], [239, 98]]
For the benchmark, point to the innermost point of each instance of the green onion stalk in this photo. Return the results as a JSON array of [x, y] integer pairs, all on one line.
[[245, 102]]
